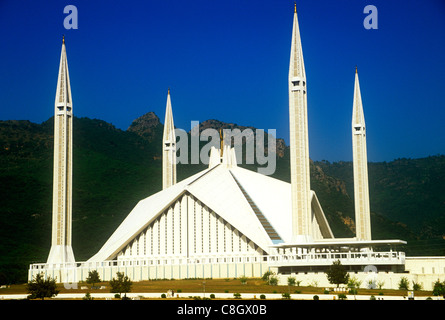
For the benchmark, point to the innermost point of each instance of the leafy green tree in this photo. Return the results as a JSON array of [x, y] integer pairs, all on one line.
[[291, 281], [273, 280], [267, 275], [439, 288], [93, 277], [337, 273], [270, 277], [403, 283], [417, 286], [121, 285], [39, 288]]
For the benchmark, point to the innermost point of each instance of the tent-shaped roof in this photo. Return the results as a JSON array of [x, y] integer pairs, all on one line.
[[257, 205]]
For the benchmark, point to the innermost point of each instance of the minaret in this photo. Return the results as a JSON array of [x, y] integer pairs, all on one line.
[[299, 142], [61, 250], [168, 148], [360, 161]]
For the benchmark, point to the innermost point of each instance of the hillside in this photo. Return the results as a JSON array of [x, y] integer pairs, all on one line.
[[114, 169]]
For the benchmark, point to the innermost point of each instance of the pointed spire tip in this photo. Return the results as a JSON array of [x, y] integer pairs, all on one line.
[[63, 39], [295, 6]]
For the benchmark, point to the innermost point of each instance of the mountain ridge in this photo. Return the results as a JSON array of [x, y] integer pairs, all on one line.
[[114, 169]]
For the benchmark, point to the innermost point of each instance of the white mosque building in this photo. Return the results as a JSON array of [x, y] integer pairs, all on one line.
[[227, 221]]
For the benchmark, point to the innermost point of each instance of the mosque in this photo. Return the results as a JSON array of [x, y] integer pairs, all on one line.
[[227, 221]]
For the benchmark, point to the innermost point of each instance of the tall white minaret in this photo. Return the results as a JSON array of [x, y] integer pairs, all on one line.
[[61, 249], [168, 147], [299, 141], [360, 161]]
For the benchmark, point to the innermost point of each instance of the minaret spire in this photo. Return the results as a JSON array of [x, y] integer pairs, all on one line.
[[360, 164], [168, 147], [61, 249], [299, 141]]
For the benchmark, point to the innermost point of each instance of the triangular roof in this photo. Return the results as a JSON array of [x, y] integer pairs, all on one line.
[[258, 206]]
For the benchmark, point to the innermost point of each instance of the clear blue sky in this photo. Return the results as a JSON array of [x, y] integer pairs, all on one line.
[[228, 60]]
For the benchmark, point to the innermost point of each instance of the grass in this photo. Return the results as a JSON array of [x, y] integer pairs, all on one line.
[[253, 285]]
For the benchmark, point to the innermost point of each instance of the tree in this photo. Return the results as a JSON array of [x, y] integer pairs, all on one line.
[[39, 288], [121, 285], [417, 286], [269, 276], [439, 288], [291, 281], [337, 273], [403, 283], [93, 277]]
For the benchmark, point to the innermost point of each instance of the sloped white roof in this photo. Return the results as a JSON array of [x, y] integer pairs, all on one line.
[[142, 214], [218, 189], [272, 196]]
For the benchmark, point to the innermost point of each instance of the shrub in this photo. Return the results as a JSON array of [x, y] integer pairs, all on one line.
[[417, 286], [270, 278], [353, 291], [372, 298], [87, 296], [273, 281], [163, 296], [403, 283], [212, 296], [237, 295], [263, 296], [354, 283], [267, 275], [342, 296], [286, 296], [316, 297], [380, 284], [439, 288]]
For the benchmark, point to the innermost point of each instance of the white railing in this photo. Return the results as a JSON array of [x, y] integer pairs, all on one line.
[[303, 259], [346, 258], [153, 261]]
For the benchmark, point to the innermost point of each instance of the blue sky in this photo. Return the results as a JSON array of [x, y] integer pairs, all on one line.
[[228, 60]]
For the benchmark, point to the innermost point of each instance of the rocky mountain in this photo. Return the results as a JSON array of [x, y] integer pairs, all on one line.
[[114, 169], [280, 145], [147, 126]]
